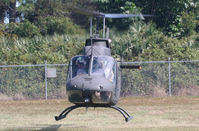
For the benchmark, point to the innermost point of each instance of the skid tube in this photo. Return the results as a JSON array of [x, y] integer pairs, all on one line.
[[69, 109]]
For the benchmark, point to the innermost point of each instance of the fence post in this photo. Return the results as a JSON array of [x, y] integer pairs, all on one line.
[[46, 94], [169, 77]]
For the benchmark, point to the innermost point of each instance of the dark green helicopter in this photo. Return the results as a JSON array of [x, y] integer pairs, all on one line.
[[94, 78]]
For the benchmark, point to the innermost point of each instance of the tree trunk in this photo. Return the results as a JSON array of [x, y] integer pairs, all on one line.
[[2, 11], [12, 11]]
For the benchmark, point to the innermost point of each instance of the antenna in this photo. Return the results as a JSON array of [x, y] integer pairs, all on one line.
[[91, 24], [104, 20], [107, 33], [97, 28]]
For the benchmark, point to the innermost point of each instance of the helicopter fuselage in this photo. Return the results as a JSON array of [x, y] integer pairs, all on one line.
[[94, 78]]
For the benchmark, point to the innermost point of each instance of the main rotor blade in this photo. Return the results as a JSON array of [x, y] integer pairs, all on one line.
[[126, 15], [108, 15]]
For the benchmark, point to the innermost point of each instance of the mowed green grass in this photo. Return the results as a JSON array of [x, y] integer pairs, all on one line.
[[150, 113]]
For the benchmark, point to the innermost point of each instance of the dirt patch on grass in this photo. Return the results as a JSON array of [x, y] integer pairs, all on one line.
[[188, 91], [5, 97], [159, 91]]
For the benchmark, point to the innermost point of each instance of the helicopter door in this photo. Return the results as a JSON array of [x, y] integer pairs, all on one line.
[[80, 65], [104, 65]]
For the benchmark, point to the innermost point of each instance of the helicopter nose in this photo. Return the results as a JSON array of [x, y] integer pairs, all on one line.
[[100, 87]]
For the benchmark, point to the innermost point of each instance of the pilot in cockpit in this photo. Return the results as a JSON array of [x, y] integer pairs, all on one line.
[[98, 67], [81, 67]]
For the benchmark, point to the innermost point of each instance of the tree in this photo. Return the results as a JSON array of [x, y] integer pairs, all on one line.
[[10, 7], [169, 14], [2, 11], [12, 10], [118, 6]]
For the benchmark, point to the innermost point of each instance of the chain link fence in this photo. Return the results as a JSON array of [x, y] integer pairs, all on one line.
[[162, 78], [48, 81], [32, 81]]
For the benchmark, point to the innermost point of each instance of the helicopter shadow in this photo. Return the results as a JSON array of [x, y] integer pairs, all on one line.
[[56, 127], [51, 128]]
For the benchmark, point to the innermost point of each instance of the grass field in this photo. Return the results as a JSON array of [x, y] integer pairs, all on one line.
[[166, 114]]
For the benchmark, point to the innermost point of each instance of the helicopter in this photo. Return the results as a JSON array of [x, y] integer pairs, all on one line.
[[94, 78]]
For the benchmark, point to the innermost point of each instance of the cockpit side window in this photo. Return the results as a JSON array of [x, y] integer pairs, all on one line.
[[98, 65], [104, 65], [80, 65]]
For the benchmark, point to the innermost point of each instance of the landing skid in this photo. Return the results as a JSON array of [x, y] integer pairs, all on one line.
[[69, 109]]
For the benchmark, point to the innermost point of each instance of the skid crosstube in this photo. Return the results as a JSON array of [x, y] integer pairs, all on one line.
[[63, 115]]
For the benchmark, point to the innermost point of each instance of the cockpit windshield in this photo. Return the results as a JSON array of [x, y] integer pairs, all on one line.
[[80, 65], [104, 65], [101, 65]]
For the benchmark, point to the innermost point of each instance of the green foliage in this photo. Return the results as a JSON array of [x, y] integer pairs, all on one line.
[[40, 49], [44, 26], [119, 6], [139, 38], [61, 25], [170, 14], [173, 16], [144, 42], [27, 7], [49, 34], [27, 29], [188, 23]]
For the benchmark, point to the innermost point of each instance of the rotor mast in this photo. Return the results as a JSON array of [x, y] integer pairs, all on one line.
[[102, 40], [105, 34]]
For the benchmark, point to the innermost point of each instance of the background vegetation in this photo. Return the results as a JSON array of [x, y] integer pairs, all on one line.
[[53, 31]]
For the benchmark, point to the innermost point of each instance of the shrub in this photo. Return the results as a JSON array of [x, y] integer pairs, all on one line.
[[23, 29], [188, 24], [62, 25], [27, 29]]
